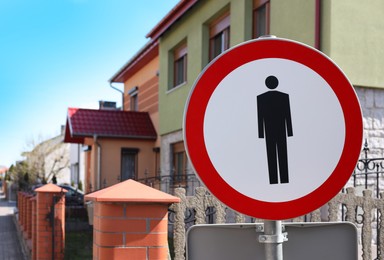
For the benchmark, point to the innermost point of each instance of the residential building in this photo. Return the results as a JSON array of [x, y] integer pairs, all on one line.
[[195, 32], [158, 79], [140, 76], [3, 171], [122, 145], [118, 144], [49, 159]]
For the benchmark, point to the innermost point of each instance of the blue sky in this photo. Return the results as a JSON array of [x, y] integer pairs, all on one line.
[[56, 54]]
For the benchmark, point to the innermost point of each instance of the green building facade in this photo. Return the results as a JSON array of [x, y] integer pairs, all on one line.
[[350, 32]]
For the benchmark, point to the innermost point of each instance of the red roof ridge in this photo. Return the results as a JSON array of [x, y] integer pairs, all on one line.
[[109, 110]]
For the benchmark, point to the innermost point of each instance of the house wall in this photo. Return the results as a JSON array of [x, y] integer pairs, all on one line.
[[193, 27], [372, 104], [111, 159], [87, 169], [93, 166], [77, 166], [294, 19], [352, 35], [110, 164], [147, 81], [58, 158]]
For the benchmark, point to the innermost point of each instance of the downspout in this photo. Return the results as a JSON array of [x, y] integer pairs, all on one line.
[[122, 94], [78, 165], [98, 170], [318, 14]]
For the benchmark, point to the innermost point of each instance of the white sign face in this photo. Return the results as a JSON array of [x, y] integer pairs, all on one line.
[[313, 150], [273, 128]]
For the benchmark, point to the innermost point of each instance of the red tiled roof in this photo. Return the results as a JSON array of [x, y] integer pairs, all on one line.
[[83, 123]]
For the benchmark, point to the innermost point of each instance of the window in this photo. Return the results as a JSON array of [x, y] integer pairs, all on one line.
[[156, 150], [133, 99], [260, 18], [75, 173], [219, 36], [134, 103], [128, 163], [180, 65], [179, 163]]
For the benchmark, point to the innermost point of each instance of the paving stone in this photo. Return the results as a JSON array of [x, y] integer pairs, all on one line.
[[10, 248]]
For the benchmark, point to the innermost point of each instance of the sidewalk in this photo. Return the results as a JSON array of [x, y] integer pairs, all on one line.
[[10, 248]]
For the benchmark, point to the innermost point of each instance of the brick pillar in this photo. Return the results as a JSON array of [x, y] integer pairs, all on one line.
[[130, 222], [27, 217], [20, 207], [25, 213], [47, 196], [33, 201]]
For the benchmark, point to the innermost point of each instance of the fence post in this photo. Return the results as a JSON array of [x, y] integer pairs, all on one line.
[[130, 222], [34, 243], [50, 213], [26, 197], [366, 236], [179, 225], [20, 208], [26, 215], [28, 230]]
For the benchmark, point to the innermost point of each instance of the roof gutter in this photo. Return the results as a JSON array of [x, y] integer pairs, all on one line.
[[176, 13], [122, 94]]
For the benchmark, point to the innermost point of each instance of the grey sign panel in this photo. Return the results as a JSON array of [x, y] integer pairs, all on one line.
[[315, 241]]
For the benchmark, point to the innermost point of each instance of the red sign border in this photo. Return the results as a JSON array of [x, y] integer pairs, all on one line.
[[198, 100]]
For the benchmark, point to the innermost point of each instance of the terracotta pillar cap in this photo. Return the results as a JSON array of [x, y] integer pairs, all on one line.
[[50, 188], [131, 191]]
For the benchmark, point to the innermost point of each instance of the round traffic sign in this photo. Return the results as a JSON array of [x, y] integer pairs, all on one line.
[[273, 128]]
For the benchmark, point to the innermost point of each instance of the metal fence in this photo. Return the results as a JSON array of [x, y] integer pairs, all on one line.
[[369, 172], [360, 202], [358, 210], [368, 177], [168, 183], [78, 233]]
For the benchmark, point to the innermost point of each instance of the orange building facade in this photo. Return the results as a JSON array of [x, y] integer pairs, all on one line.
[[120, 145]]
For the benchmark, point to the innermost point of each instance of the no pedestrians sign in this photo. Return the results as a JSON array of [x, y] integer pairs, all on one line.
[[273, 128]]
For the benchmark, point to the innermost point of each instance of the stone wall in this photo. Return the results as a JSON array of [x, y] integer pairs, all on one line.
[[166, 152], [372, 105]]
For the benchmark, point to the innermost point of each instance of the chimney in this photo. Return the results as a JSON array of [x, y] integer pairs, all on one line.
[[107, 105]]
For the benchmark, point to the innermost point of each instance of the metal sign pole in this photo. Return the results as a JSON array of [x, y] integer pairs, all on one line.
[[273, 239]]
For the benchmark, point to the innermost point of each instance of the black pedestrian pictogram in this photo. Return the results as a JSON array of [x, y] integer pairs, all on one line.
[[274, 124]]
